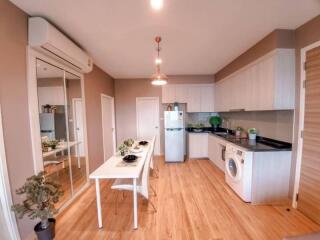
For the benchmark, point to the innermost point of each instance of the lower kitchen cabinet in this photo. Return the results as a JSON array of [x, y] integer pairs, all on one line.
[[198, 145], [216, 151]]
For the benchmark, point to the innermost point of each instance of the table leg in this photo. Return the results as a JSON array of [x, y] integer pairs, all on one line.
[[98, 203], [135, 204]]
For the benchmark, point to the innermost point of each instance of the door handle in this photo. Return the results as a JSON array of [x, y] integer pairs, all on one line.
[[157, 127]]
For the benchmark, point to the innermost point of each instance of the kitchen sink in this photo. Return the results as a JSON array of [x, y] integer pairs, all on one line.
[[221, 133], [224, 135]]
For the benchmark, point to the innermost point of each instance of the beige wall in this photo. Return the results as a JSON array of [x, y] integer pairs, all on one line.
[[272, 124], [277, 39], [305, 35], [126, 92], [14, 101], [96, 83]]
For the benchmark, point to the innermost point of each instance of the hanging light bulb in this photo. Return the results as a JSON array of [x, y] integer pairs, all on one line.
[[158, 61], [156, 4], [158, 78]]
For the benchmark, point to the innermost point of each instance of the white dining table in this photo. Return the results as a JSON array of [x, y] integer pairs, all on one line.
[[114, 168], [60, 148]]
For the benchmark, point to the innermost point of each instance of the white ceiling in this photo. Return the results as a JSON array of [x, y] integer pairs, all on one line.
[[199, 36]]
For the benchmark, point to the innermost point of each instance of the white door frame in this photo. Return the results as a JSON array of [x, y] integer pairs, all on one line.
[[137, 119], [113, 124], [5, 192], [301, 120]]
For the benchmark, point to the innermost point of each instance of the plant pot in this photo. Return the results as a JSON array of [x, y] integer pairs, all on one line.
[[215, 127], [252, 136], [48, 233]]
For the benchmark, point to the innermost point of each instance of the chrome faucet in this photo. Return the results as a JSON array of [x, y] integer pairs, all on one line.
[[227, 123]]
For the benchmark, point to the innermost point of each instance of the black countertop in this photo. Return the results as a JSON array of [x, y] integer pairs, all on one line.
[[261, 144]]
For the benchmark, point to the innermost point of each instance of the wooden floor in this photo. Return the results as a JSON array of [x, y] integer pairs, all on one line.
[[61, 176], [193, 202]]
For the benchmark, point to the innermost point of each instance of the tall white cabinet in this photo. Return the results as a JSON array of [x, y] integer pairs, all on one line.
[[266, 84]]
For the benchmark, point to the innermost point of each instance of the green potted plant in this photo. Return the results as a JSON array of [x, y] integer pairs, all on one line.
[[252, 133], [129, 142], [123, 149], [40, 196], [215, 121]]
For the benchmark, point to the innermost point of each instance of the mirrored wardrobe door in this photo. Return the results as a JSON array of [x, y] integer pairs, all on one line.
[[53, 126], [76, 131]]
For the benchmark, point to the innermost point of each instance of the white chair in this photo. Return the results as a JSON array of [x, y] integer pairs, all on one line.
[[154, 167], [142, 183]]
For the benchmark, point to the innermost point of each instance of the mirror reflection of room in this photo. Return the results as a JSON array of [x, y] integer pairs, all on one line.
[[53, 127], [76, 131]]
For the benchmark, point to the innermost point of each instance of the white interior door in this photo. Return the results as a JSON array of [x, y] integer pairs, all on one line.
[[108, 126], [78, 125], [8, 225], [147, 111]]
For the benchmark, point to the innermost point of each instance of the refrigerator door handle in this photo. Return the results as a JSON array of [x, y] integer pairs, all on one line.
[[174, 129]]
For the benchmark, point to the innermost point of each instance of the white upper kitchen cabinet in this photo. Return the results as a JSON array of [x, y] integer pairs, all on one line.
[[207, 98], [194, 98], [168, 93], [266, 84], [175, 93], [198, 97], [181, 93]]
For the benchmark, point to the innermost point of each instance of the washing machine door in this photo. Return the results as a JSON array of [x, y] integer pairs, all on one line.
[[233, 168]]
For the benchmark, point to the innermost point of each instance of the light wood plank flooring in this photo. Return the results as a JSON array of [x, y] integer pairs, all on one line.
[[193, 202]]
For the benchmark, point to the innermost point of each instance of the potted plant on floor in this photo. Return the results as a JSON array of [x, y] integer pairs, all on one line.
[[41, 195]]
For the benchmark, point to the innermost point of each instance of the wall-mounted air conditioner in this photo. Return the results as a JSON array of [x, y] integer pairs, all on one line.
[[45, 37]]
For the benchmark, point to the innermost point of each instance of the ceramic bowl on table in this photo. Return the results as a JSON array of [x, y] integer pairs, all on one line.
[[130, 158], [136, 149], [143, 143]]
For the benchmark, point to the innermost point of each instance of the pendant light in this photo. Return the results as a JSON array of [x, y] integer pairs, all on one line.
[[158, 78]]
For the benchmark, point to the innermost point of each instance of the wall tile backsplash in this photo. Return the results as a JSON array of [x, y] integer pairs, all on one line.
[[271, 124], [194, 118]]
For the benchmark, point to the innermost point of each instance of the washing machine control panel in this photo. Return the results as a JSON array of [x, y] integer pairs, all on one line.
[[239, 153]]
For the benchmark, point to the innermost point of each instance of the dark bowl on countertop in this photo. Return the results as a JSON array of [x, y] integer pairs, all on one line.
[[130, 158]]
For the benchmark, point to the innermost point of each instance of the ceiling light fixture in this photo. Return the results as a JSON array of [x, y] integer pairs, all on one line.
[[156, 4], [158, 78], [158, 61]]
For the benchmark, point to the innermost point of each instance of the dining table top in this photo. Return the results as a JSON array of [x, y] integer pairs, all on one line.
[[115, 167], [60, 147]]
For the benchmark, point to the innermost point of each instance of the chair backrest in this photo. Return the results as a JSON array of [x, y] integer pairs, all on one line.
[[151, 161], [146, 171]]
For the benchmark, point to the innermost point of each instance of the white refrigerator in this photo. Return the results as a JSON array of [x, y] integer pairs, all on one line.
[[174, 136]]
